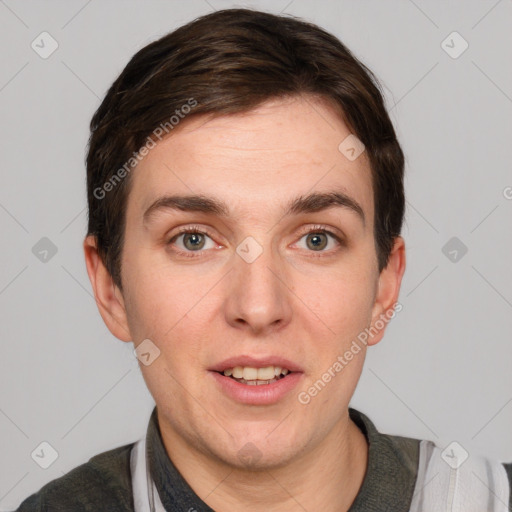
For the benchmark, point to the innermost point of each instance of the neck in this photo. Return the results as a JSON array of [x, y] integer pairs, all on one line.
[[337, 466]]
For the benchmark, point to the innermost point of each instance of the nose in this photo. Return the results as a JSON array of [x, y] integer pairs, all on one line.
[[259, 296]]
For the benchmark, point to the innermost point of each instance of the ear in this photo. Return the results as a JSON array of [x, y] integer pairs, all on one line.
[[107, 295], [388, 289]]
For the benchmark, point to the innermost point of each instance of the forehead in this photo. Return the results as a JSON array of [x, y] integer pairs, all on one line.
[[253, 160]]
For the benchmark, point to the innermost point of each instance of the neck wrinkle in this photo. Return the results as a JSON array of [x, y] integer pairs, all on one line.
[[282, 490]]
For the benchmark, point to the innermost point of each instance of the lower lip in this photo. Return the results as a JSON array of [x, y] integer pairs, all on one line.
[[264, 394]]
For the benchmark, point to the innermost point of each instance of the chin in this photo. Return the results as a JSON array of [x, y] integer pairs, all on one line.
[[252, 459], [263, 451]]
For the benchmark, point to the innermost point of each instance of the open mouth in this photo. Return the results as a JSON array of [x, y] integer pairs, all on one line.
[[266, 382], [256, 376]]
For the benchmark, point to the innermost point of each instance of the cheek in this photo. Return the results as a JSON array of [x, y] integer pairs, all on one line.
[[167, 312], [341, 298], [151, 305], [150, 287]]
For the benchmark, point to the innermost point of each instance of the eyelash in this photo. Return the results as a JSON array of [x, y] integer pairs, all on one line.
[[202, 231]]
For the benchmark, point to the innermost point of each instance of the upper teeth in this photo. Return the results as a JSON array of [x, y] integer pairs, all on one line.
[[250, 373]]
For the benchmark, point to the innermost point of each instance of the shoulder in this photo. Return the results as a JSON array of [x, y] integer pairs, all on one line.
[[102, 483], [447, 476], [405, 450], [392, 452], [431, 475], [452, 477], [508, 470]]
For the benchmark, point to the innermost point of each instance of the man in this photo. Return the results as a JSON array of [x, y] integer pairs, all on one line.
[[245, 190]]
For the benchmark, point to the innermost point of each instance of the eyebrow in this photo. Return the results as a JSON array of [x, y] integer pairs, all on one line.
[[311, 203]]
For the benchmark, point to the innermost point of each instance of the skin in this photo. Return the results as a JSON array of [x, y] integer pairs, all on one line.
[[295, 301]]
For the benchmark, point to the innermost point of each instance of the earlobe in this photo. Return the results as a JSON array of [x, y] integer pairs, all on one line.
[[388, 290], [108, 297]]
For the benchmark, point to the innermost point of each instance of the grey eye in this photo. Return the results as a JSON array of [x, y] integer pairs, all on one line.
[[317, 240], [193, 241]]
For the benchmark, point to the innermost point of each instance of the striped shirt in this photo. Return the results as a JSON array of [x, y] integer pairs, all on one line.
[[399, 477]]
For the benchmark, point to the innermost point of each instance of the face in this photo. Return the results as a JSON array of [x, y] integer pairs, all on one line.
[[263, 278]]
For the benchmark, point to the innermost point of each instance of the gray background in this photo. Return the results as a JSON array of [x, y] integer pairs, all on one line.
[[442, 371]]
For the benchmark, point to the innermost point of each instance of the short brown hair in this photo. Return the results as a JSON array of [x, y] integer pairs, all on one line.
[[229, 62]]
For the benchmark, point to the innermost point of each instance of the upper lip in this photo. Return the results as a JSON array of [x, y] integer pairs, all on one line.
[[256, 362]]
